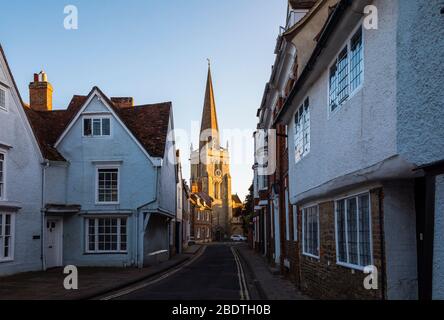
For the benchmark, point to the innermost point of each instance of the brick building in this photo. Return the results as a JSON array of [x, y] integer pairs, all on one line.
[[201, 216]]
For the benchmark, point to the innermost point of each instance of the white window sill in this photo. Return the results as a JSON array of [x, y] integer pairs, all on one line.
[[302, 158], [310, 255], [106, 252], [97, 137], [331, 113], [350, 266], [106, 203], [6, 260]]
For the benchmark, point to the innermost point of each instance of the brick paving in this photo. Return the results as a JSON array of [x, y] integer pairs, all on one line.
[[93, 281], [271, 286]]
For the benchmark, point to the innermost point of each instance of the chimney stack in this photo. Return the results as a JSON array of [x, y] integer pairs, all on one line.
[[40, 93], [123, 102]]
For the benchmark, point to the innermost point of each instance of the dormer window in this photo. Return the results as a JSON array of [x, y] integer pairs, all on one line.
[[96, 126]]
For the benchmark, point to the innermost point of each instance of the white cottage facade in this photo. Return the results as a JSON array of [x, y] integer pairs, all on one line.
[[21, 218]]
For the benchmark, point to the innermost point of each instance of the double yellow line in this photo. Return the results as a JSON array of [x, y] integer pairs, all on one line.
[[244, 294]]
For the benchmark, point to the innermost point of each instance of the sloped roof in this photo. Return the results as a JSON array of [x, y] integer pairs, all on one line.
[[236, 198], [203, 195], [148, 123], [49, 125], [290, 33]]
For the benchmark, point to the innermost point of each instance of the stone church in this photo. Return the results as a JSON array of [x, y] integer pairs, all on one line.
[[210, 168]]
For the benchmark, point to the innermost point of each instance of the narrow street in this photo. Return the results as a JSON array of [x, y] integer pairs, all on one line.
[[213, 275]]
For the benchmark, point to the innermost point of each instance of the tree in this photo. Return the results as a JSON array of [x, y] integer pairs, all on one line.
[[248, 209]]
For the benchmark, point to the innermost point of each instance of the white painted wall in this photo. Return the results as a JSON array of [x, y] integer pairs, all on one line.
[[420, 39], [400, 240], [23, 181]]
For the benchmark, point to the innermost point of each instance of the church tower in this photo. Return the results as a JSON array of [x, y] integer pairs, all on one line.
[[210, 166]]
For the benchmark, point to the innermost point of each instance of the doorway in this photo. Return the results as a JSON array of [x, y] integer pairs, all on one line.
[[53, 242]]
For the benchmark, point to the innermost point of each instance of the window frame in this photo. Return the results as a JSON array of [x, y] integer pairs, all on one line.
[[287, 214], [295, 222], [345, 198], [11, 236], [4, 171], [5, 90], [305, 151], [347, 45], [303, 232], [100, 167], [96, 234], [92, 118]]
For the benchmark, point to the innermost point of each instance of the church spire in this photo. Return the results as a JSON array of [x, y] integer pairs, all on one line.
[[209, 128]]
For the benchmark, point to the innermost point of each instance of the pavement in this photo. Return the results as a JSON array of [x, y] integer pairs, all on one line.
[[93, 281], [271, 286]]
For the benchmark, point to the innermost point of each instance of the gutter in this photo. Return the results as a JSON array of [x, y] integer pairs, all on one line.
[[334, 20]]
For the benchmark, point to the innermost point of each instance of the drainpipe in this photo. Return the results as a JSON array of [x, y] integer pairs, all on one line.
[[45, 165], [141, 223]]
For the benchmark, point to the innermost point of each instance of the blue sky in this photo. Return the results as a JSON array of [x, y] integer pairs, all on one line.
[[153, 51]]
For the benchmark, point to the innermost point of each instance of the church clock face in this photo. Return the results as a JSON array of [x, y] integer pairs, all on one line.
[[218, 173]]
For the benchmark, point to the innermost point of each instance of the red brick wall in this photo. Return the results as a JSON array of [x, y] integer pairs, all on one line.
[[292, 253], [325, 279]]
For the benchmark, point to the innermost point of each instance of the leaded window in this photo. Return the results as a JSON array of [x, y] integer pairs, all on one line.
[[353, 231], [310, 231], [346, 74]]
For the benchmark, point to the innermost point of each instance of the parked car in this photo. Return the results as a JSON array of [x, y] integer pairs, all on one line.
[[238, 237]]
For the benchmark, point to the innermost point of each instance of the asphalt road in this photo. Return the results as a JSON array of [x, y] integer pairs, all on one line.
[[213, 276]]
